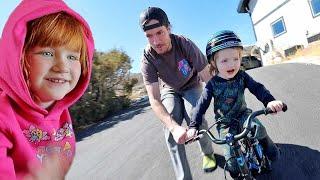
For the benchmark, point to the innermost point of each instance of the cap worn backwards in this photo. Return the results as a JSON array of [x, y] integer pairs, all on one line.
[[222, 40], [156, 14]]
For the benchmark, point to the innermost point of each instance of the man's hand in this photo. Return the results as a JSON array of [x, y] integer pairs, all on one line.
[[179, 133], [275, 106], [191, 133], [205, 75]]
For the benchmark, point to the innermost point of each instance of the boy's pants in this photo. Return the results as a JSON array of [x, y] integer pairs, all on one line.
[[270, 149], [179, 106]]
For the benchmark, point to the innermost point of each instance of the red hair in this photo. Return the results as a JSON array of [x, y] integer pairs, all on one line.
[[58, 29]]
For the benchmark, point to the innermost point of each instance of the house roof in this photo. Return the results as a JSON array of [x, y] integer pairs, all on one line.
[[242, 6]]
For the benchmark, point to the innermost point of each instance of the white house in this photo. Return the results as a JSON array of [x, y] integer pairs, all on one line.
[[282, 26]]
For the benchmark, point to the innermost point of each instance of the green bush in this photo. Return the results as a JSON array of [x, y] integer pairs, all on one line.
[[104, 97]]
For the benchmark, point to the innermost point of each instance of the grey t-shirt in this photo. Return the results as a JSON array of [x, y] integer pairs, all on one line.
[[177, 68]]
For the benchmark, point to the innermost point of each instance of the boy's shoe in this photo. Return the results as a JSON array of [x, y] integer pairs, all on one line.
[[209, 163]]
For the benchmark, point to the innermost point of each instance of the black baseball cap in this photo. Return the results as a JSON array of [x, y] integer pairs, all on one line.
[[156, 14]]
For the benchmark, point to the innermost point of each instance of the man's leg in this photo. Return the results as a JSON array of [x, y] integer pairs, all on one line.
[[173, 103], [190, 98]]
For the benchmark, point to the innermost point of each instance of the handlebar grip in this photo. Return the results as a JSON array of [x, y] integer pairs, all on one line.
[[284, 109], [188, 141], [193, 139]]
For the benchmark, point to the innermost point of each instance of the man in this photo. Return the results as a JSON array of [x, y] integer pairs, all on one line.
[[178, 64]]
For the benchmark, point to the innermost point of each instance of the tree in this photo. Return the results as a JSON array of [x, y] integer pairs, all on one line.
[[128, 85], [110, 74]]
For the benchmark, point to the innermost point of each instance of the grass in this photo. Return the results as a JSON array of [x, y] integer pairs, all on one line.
[[312, 50]]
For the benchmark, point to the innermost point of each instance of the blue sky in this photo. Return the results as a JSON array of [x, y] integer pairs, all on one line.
[[115, 24]]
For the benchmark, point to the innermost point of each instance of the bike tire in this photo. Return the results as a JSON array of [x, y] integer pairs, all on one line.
[[248, 177]]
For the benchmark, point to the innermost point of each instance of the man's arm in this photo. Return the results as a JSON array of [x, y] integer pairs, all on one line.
[[177, 131], [153, 91], [205, 75]]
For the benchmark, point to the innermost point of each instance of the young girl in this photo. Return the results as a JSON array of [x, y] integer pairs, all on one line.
[[224, 52], [45, 65]]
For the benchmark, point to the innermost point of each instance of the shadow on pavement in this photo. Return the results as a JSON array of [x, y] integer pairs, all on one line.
[[296, 163], [123, 115]]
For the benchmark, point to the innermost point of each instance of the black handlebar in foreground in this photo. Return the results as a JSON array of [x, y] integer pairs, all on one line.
[[244, 133]]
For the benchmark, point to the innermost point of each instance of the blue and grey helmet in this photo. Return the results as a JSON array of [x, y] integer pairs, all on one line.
[[222, 40]]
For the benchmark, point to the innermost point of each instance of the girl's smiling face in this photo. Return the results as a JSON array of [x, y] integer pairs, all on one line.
[[228, 62], [54, 57], [54, 72]]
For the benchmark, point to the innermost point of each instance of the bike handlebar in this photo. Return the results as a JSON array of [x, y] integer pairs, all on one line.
[[244, 133]]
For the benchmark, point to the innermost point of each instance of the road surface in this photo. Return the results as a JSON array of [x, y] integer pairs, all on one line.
[[131, 146]]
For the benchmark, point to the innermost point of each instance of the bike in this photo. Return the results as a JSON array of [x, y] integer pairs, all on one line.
[[249, 153]]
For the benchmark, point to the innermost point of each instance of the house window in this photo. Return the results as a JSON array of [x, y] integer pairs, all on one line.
[[315, 7], [278, 27]]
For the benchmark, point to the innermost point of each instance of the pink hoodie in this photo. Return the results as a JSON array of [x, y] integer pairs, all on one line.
[[28, 133]]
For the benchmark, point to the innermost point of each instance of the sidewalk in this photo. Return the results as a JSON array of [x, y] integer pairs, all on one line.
[[305, 59]]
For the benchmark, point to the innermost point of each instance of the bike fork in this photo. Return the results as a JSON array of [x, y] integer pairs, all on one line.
[[241, 161]]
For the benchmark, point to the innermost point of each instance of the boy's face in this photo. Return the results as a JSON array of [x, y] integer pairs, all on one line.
[[228, 62], [159, 38], [53, 73]]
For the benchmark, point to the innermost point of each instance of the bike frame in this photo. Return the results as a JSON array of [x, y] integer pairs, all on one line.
[[233, 141]]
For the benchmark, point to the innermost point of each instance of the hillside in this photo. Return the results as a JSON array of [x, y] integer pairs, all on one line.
[[139, 89]]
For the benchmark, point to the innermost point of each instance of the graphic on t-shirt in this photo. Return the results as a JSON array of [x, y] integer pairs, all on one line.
[[44, 151], [41, 152], [65, 131], [59, 149], [184, 67], [35, 135], [67, 149]]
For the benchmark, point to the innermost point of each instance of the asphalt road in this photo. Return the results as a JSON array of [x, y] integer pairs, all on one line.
[[131, 146]]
